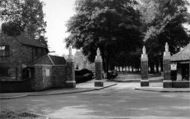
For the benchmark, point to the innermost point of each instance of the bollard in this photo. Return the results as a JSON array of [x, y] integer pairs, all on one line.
[[167, 82], [98, 70], [144, 69], [70, 82]]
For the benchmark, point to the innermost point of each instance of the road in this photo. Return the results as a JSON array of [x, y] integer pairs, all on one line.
[[117, 102]]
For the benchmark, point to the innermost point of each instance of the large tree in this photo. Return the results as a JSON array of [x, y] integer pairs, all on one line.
[[23, 16], [163, 22], [111, 25]]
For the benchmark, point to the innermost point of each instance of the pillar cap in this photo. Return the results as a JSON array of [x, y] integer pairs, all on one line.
[[98, 56], [167, 52], [144, 56], [70, 56]]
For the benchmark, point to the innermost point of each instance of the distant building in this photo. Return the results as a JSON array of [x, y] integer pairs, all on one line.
[[81, 61]]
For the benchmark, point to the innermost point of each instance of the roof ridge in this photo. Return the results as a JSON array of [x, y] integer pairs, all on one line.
[[51, 59]]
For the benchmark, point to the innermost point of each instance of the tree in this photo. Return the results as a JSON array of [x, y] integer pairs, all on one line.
[[111, 25], [163, 22], [22, 15]]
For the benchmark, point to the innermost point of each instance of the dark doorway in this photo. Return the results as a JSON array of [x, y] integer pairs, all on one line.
[[28, 73], [185, 71]]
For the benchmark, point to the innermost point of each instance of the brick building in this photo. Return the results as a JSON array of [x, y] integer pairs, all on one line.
[[26, 66], [16, 53]]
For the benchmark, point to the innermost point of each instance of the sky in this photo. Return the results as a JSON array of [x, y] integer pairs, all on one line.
[[57, 14]]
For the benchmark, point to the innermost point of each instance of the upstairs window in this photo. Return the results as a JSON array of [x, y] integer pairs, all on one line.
[[4, 50]]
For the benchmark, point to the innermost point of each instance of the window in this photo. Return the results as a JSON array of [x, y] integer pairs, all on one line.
[[4, 50], [8, 72]]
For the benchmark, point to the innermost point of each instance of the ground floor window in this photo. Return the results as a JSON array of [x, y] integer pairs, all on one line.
[[4, 50], [8, 72], [28, 73]]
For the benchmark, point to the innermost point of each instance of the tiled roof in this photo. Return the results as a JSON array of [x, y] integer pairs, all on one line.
[[183, 55], [50, 60], [23, 39], [58, 60]]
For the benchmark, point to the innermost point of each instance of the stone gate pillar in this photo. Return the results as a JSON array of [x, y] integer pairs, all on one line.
[[189, 71], [71, 83], [167, 82], [98, 70], [144, 69]]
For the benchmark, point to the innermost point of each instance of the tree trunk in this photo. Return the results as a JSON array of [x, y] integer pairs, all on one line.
[[151, 68]]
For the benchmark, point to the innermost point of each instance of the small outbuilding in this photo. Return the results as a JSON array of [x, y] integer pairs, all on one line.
[[181, 68]]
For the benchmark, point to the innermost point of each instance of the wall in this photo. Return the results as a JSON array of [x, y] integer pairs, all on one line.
[[48, 76], [13, 59], [15, 86], [42, 77], [59, 76]]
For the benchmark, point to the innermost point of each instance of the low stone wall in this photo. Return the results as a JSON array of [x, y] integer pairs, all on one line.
[[181, 84], [43, 77], [15, 86]]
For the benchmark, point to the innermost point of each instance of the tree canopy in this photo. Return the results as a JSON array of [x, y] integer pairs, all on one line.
[[22, 16], [120, 28], [111, 25]]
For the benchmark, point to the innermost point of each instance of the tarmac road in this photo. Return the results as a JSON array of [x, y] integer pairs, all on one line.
[[117, 102]]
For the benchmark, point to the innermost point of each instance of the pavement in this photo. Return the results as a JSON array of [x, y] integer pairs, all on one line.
[[127, 77], [82, 87], [156, 84], [161, 89]]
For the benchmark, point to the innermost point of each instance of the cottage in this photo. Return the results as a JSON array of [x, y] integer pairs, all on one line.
[[25, 65], [181, 60], [16, 53]]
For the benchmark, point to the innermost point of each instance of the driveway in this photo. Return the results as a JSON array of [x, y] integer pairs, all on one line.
[[117, 102]]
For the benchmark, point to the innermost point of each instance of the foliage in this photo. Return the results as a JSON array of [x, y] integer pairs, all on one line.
[[158, 14], [163, 22], [22, 15], [111, 25]]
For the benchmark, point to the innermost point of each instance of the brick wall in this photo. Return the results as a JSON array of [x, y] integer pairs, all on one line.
[[17, 52], [59, 76], [48, 76], [42, 77], [15, 86], [45, 77]]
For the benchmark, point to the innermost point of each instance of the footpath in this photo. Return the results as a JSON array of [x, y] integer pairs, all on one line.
[[155, 83], [82, 87]]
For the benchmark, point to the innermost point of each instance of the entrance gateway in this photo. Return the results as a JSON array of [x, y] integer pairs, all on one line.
[[176, 68]]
